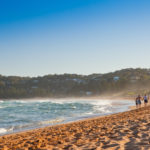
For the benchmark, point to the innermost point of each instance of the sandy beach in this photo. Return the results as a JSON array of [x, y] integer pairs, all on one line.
[[126, 131]]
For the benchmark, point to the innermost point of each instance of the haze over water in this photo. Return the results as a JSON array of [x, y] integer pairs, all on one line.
[[19, 115]]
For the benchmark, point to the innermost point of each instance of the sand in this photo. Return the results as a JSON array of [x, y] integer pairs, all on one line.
[[122, 131]]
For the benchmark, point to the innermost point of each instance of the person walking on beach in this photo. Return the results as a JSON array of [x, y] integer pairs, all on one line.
[[138, 101], [145, 98]]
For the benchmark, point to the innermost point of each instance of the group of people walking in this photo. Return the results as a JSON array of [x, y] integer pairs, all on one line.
[[139, 99]]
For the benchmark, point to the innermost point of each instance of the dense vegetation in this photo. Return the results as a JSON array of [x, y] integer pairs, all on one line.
[[126, 82]]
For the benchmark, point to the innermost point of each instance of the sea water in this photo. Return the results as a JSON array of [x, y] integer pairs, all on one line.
[[20, 115]]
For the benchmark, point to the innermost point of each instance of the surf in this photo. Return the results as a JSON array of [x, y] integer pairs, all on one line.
[[20, 115]]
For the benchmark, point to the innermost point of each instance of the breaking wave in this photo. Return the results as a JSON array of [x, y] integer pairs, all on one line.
[[19, 115]]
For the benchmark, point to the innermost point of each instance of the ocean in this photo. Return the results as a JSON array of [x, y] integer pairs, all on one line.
[[21, 115]]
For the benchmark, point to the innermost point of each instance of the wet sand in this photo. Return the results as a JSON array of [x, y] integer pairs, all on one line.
[[122, 131]]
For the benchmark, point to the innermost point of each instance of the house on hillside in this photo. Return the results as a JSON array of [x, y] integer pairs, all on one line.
[[88, 93], [116, 78], [35, 81], [133, 79]]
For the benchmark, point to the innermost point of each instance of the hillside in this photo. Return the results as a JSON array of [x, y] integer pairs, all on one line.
[[126, 83]]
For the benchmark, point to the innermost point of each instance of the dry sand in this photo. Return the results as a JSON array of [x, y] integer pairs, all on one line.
[[123, 131]]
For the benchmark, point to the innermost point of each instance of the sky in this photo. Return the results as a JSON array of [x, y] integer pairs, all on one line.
[[40, 37]]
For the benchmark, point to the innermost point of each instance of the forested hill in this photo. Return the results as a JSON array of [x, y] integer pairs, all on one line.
[[126, 82]]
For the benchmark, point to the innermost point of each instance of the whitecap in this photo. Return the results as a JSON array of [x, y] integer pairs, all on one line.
[[50, 121], [58, 101], [74, 107], [3, 130], [89, 113], [101, 102]]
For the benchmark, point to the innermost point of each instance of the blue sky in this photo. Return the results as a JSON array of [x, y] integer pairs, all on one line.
[[39, 37]]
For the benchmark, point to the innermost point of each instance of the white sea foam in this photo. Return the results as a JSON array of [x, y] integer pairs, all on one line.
[[57, 101], [74, 107], [37, 124], [21, 101], [50, 121], [102, 109], [101, 102], [3, 130], [42, 101], [89, 113], [64, 101]]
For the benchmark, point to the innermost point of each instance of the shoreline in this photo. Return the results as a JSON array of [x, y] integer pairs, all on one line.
[[94, 116], [117, 106], [122, 130], [66, 123]]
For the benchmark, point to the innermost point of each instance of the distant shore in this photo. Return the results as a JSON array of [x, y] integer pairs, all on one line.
[[126, 130], [76, 98]]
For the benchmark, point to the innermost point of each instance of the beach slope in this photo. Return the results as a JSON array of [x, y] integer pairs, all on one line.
[[128, 130]]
